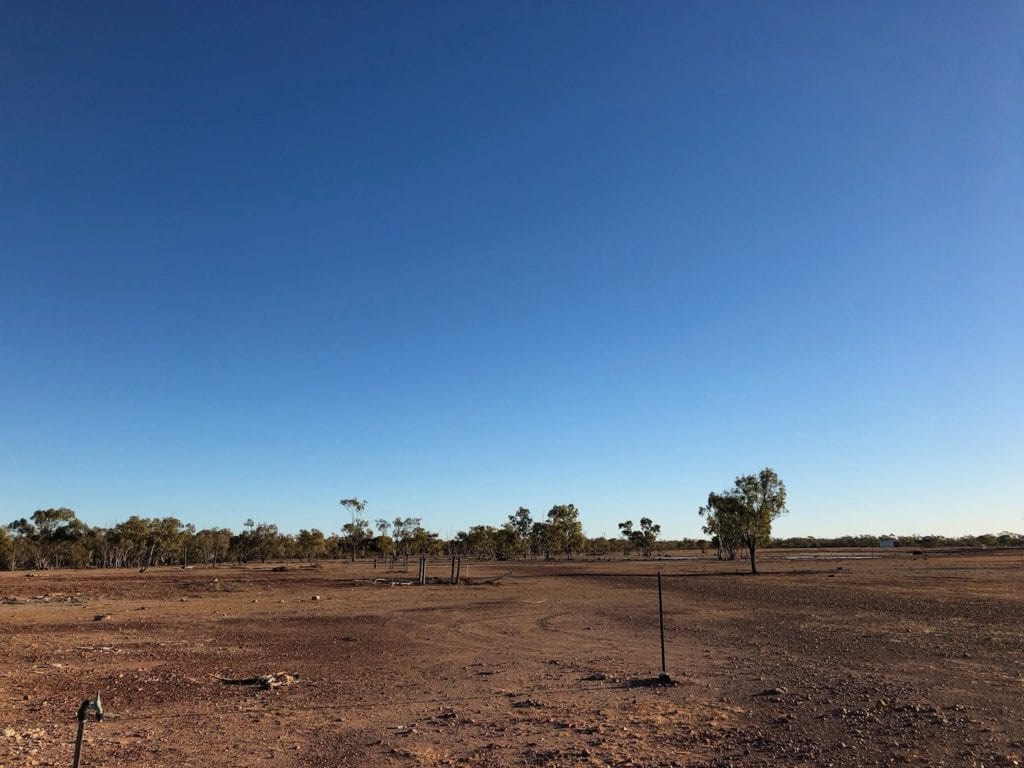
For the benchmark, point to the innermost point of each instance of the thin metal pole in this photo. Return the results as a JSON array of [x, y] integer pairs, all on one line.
[[661, 621], [78, 742], [83, 712]]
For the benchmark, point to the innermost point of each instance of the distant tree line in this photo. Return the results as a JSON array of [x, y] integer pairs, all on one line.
[[916, 541], [56, 538]]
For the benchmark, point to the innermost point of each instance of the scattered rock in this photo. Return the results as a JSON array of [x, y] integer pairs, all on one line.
[[263, 682], [527, 703]]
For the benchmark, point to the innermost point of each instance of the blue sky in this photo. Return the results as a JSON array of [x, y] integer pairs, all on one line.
[[454, 258]]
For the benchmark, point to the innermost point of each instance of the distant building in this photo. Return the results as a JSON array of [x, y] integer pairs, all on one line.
[[887, 543]]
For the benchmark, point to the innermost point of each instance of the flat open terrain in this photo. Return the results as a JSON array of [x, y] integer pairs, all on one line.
[[815, 662]]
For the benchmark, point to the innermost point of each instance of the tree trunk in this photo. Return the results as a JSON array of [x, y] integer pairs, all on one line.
[[753, 563]]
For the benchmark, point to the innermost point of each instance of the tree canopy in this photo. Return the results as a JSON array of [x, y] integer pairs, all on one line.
[[743, 514], [642, 540]]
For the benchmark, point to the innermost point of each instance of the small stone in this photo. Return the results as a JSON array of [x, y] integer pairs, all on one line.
[[525, 703]]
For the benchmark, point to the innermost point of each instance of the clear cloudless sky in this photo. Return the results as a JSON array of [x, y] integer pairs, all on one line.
[[454, 258]]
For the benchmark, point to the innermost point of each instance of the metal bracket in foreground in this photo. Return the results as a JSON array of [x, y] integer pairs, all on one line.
[[87, 706]]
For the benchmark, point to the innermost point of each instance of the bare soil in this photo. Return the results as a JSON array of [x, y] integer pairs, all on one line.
[[815, 662]]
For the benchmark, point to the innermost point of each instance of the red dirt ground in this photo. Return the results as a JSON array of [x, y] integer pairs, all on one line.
[[815, 662]]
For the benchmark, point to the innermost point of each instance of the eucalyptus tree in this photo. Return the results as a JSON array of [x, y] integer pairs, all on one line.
[[23, 542], [743, 515], [57, 532], [626, 529], [480, 541], [721, 522], [354, 506], [212, 544], [643, 539], [763, 498], [565, 529], [166, 537], [384, 546], [357, 532], [259, 541], [543, 539], [520, 524], [311, 544], [412, 538]]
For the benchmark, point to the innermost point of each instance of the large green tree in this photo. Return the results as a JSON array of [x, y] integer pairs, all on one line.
[[763, 498], [59, 531], [743, 514], [564, 529], [312, 544], [722, 516]]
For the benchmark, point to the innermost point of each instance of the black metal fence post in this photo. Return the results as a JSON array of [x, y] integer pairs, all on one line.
[[663, 677], [87, 706]]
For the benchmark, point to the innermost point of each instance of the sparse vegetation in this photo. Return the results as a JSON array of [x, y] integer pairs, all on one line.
[[57, 538]]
